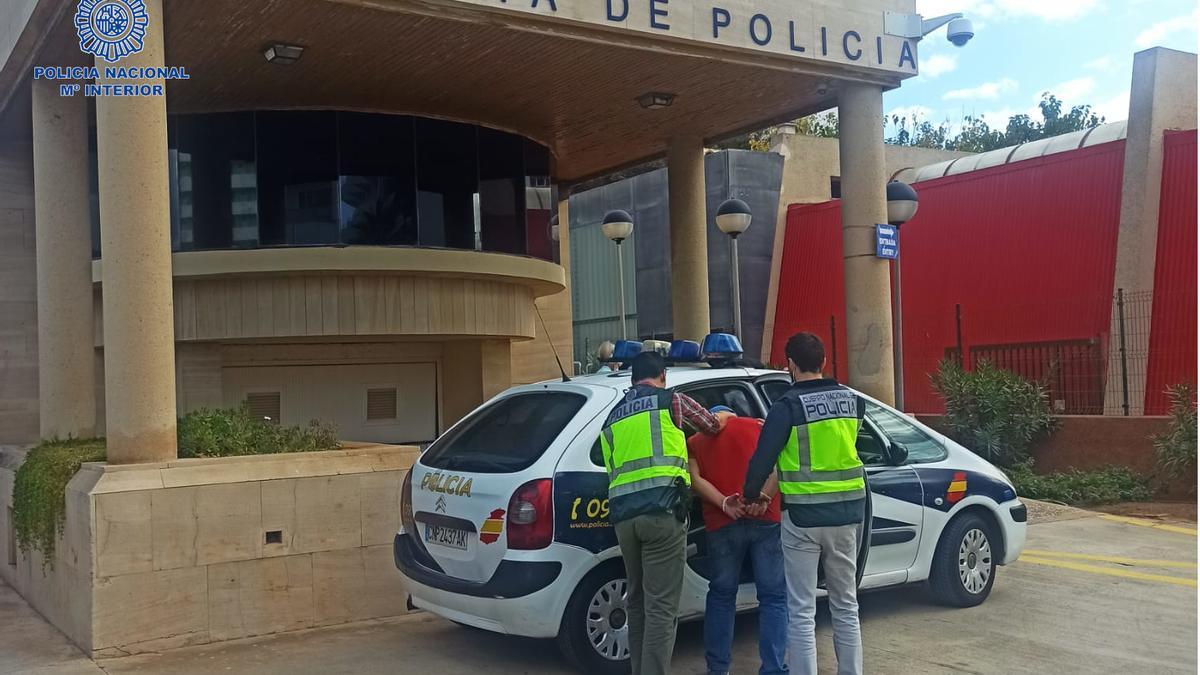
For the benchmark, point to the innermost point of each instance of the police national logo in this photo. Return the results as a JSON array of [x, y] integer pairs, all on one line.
[[111, 29]]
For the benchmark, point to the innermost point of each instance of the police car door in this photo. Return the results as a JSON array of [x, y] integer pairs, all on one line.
[[896, 507]]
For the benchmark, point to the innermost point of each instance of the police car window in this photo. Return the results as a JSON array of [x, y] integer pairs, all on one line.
[[773, 389], [921, 448], [733, 395], [870, 449], [507, 436]]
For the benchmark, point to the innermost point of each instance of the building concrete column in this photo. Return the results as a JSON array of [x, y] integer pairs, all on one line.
[[864, 204], [689, 238], [1162, 96], [135, 238], [66, 345]]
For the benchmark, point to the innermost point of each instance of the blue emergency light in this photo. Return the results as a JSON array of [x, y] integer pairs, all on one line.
[[684, 351], [721, 347], [625, 350]]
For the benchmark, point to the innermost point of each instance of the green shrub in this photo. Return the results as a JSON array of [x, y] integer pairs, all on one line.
[[234, 431], [995, 413], [39, 507], [1105, 485], [39, 503], [1175, 449]]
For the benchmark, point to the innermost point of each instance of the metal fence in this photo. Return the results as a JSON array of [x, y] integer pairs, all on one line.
[[1108, 372]]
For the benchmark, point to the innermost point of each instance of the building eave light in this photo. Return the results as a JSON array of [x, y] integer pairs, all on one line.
[[656, 100], [283, 54]]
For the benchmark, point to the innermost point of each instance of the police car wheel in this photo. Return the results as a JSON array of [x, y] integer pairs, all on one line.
[[594, 635], [964, 564]]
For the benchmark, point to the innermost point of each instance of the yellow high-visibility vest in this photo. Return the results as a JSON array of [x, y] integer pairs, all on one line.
[[820, 462], [642, 447]]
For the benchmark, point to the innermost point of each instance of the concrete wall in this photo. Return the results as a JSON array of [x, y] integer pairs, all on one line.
[[18, 296], [156, 556], [1163, 96]]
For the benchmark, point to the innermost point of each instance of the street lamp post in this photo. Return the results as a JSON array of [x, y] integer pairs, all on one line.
[[901, 207], [733, 218], [617, 226]]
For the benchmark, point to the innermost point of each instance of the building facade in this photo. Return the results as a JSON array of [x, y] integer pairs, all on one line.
[[343, 232]]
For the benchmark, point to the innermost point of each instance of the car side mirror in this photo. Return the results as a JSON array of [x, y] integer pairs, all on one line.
[[897, 454]]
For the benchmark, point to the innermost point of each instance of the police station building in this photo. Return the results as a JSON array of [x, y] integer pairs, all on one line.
[[343, 212]]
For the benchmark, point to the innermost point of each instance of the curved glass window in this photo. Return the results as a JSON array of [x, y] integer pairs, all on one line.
[[318, 178]]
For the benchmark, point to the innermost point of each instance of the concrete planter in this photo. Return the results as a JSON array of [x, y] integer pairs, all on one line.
[[155, 556]]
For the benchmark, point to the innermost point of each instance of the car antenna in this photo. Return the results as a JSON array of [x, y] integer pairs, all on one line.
[[551, 341]]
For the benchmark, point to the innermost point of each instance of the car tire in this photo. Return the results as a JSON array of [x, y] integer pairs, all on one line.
[[964, 563], [596, 605]]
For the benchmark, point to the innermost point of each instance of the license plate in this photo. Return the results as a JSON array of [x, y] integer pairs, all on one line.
[[451, 537]]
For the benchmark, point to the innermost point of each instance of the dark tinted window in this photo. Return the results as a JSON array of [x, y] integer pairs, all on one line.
[[378, 187], [507, 436], [215, 204], [304, 178], [501, 191], [921, 447], [447, 183], [298, 177], [773, 389]]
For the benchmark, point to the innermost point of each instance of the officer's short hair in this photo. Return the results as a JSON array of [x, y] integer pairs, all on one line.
[[806, 351], [647, 366]]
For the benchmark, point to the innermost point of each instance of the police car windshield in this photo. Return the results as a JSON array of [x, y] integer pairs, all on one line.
[[506, 436]]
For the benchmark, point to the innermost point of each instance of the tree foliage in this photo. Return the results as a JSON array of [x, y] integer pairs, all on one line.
[[974, 134], [996, 413]]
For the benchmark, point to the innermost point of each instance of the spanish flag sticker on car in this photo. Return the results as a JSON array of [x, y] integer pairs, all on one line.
[[958, 487], [490, 531]]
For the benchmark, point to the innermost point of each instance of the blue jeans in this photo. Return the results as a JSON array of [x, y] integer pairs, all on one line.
[[727, 551]]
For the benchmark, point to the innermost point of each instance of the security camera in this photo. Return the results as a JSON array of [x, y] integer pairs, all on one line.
[[960, 32]]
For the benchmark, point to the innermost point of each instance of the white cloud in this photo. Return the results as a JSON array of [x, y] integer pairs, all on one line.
[[1158, 32], [1102, 63], [1114, 109], [1070, 92], [987, 90], [908, 111], [938, 64]]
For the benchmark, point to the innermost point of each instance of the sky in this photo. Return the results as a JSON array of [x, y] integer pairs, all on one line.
[[1080, 50]]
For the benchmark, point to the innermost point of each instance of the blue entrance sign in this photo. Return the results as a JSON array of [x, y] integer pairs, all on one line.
[[887, 242]]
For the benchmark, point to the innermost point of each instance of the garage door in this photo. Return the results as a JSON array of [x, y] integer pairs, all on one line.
[[382, 403]]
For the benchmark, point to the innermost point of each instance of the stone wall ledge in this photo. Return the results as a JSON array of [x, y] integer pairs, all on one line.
[[352, 458]]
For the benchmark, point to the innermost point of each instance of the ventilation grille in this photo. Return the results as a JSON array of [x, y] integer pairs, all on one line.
[[381, 404], [264, 405]]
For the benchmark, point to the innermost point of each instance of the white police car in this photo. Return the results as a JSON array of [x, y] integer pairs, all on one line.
[[504, 516]]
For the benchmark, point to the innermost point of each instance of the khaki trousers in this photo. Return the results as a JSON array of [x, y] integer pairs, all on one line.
[[654, 548]]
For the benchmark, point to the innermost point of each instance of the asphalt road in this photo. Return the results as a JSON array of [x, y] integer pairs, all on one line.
[[1092, 594]]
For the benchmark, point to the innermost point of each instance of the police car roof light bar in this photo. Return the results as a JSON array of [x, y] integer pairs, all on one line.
[[684, 351], [720, 348], [625, 350]]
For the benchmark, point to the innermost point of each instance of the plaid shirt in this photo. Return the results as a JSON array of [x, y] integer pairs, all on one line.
[[684, 408], [686, 411]]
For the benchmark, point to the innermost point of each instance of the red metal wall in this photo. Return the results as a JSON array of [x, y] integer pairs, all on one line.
[[1172, 353], [811, 288], [1027, 250]]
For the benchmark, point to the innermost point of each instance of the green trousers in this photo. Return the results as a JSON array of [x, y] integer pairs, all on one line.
[[654, 548]]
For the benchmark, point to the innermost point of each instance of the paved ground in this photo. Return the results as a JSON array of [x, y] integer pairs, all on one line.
[[1092, 594]]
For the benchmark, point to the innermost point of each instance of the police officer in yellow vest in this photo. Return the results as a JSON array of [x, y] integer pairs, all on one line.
[[809, 437], [645, 452]]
